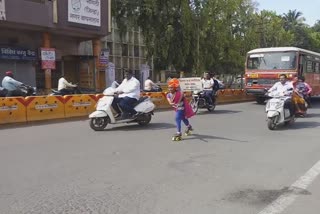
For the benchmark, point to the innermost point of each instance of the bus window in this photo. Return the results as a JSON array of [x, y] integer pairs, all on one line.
[[309, 67], [271, 61], [317, 67]]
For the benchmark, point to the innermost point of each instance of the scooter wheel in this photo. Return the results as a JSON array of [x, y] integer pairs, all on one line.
[[271, 123], [99, 123]]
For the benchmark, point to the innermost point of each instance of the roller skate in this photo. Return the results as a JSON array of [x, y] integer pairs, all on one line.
[[188, 131], [177, 137]]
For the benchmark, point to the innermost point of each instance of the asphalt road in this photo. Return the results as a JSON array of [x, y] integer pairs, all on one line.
[[232, 164]]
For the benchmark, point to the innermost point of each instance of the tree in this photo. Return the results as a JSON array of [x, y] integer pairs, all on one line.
[[198, 35], [293, 19], [316, 26]]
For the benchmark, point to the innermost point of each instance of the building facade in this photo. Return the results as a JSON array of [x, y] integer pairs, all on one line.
[[27, 26], [128, 52]]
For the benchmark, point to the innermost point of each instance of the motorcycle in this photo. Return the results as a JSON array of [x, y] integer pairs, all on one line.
[[276, 113], [28, 90], [105, 114], [24, 91], [154, 89], [199, 101], [74, 90], [3, 92]]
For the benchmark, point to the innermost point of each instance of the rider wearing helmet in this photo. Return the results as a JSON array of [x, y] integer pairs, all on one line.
[[12, 85]]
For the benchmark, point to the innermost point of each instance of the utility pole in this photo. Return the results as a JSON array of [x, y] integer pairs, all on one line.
[[198, 47]]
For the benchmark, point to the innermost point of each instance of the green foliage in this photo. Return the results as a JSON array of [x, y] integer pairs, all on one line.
[[197, 35]]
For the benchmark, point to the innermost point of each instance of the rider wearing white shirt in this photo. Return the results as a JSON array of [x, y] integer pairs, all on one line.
[[149, 86], [11, 85], [129, 94], [64, 87], [286, 88], [207, 84]]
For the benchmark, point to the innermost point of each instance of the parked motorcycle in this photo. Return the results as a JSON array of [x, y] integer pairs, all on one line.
[[276, 113], [199, 101], [105, 114]]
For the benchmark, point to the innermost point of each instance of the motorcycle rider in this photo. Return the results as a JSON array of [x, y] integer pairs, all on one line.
[[63, 85], [286, 88], [298, 97], [307, 91], [128, 94], [150, 86], [12, 85], [207, 83]]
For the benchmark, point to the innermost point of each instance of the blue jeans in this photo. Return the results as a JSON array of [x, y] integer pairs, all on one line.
[[126, 104], [208, 94], [180, 117]]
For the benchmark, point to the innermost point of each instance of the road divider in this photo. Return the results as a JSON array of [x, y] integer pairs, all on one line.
[[37, 108]]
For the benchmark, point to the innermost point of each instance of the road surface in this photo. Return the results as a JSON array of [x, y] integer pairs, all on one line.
[[232, 164]]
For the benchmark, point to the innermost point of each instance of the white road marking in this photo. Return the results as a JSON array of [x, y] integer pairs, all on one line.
[[286, 199]]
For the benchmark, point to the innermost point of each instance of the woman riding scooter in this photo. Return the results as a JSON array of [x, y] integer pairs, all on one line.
[[297, 97]]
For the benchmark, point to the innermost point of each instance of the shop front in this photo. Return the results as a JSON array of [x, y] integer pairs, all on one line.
[[21, 61]]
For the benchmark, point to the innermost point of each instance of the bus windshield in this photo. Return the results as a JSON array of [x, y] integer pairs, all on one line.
[[271, 61]]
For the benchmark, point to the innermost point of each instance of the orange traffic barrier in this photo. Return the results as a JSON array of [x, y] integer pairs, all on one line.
[[12, 110], [79, 105], [44, 108], [19, 109]]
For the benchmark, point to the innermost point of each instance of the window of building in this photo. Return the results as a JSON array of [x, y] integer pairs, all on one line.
[[109, 46], [124, 50], [136, 51]]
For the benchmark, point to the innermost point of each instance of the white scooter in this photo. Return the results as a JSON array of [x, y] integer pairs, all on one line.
[[276, 112], [105, 114]]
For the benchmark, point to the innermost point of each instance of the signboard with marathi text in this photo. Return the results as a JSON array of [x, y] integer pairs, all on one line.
[[48, 58], [87, 12], [17, 53], [191, 84]]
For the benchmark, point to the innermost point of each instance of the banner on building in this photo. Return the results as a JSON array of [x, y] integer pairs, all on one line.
[[86, 12], [2, 10], [110, 74], [48, 58]]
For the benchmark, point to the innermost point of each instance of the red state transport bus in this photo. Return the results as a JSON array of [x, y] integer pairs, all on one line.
[[264, 65]]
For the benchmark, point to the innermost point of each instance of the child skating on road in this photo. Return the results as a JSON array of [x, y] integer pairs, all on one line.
[[183, 109]]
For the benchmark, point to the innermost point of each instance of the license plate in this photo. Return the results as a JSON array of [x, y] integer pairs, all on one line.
[[254, 75]]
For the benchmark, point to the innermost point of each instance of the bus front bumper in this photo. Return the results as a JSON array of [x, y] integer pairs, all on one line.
[[259, 92]]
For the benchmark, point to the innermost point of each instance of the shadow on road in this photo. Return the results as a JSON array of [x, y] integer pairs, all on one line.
[[210, 138], [313, 115], [205, 112], [304, 125], [262, 197], [136, 127]]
